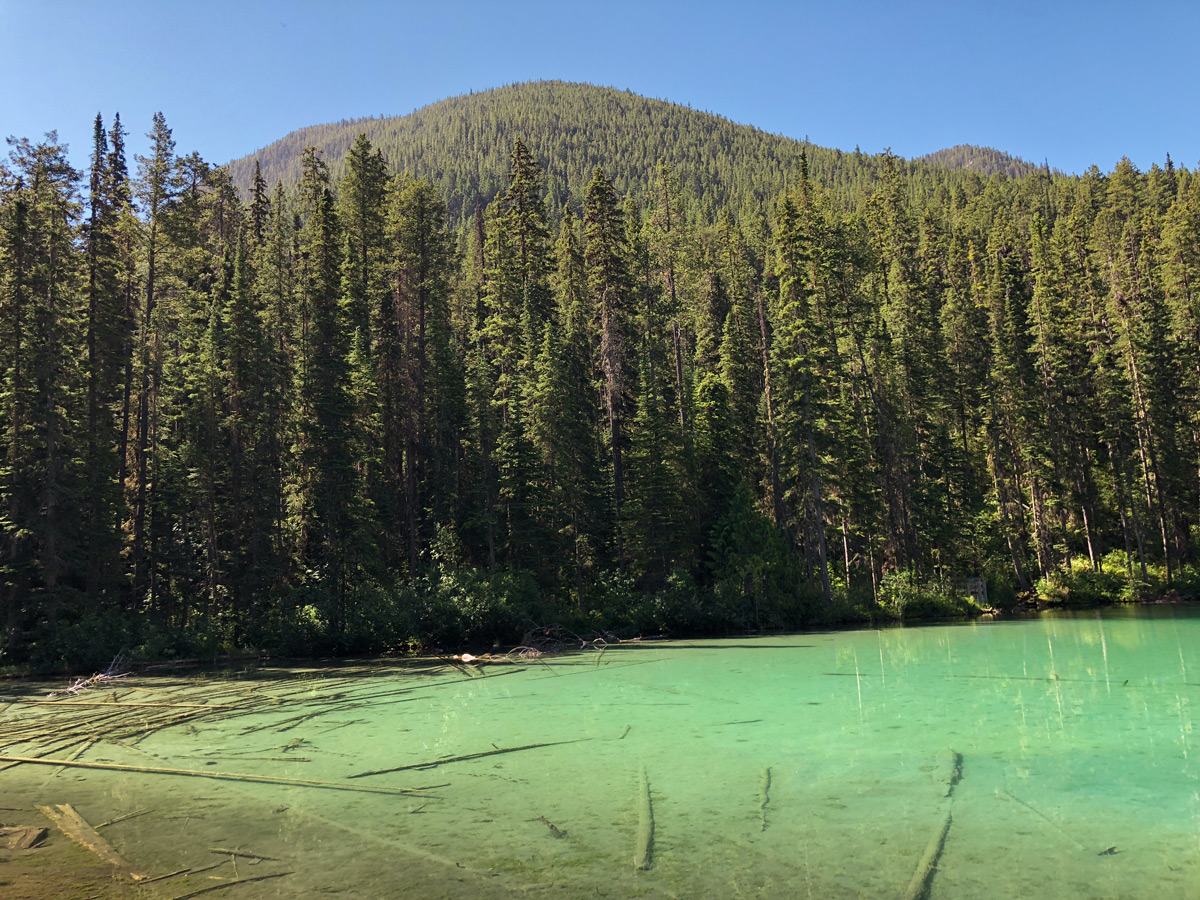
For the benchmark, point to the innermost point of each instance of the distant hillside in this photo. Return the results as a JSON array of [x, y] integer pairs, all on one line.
[[462, 145], [982, 160]]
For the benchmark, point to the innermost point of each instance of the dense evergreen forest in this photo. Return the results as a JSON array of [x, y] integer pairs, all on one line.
[[984, 160], [461, 146], [336, 418]]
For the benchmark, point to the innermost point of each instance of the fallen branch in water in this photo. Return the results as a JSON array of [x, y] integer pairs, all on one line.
[[228, 884], [127, 816], [1041, 815], [242, 853], [187, 871], [218, 776], [450, 759], [125, 703], [108, 676], [554, 829]]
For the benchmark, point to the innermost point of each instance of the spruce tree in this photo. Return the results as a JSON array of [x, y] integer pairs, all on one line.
[[327, 501], [42, 400], [609, 293]]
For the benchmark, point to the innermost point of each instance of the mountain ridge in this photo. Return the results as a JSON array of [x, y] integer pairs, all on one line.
[[461, 144]]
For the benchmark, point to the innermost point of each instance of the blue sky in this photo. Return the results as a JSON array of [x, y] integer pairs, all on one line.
[[1072, 83]]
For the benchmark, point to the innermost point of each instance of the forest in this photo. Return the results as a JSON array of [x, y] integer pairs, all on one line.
[[462, 144], [336, 417]]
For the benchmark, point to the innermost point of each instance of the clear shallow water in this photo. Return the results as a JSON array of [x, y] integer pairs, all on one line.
[[1075, 734]]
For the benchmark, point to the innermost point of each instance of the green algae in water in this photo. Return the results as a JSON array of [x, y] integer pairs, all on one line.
[[1063, 746]]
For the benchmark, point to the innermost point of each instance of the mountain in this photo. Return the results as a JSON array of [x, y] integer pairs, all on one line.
[[983, 160], [462, 144]]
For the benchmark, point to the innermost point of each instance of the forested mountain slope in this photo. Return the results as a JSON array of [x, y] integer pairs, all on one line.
[[984, 160], [461, 145]]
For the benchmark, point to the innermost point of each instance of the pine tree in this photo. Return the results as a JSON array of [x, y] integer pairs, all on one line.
[[274, 292], [362, 213], [41, 397], [529, 234], [327, 500], [668, 242], [156, 188], [250, 435], [652, 516], [105, 325], [800, 366], [609, 292], [430, 407]]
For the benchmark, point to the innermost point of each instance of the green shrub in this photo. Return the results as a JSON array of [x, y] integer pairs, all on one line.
[[677, 607], [855, 606], [1082, 587], [904, 596], [1187, 583], [84, 642], [469, 607], [757, 581]]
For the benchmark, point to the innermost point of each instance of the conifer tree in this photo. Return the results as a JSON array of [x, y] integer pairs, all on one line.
[[798, 352], [432, 420], [652, 516], [41, 397], [609, 293], [327, 502], [156, 187], [274, 291], [105, 326]]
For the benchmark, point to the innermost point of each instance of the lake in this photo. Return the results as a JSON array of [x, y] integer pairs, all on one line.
[[1046, 757]]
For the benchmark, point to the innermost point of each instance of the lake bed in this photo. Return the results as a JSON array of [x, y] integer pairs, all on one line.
[[1042, 757]]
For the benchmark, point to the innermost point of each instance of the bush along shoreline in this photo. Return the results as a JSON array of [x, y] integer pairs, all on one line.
[[471, 612]]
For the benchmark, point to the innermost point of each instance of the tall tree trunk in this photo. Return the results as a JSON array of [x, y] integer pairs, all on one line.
[[142, 444], [818, 507]]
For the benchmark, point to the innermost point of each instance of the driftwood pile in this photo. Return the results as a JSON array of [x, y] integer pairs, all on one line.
[[116, 709], [544, 640], [58, 729]]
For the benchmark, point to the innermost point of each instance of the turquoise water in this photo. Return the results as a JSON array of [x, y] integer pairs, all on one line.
[[812, 765]]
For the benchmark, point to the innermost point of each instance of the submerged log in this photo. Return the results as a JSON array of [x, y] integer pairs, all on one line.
[[218, 776], [764, 796], [187, 871], [23, 837], [948, 770], [643, 854], [74, 826], [922, 880]]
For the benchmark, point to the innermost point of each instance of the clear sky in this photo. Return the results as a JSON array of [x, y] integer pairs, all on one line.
[[1071, 83]]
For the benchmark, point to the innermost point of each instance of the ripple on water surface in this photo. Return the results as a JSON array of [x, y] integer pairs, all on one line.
[[1039, 758]]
